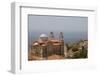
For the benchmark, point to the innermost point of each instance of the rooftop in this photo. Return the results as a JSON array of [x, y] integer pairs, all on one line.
[[43, 35]]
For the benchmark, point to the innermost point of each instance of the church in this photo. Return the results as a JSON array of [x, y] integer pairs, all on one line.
[[47, 46]]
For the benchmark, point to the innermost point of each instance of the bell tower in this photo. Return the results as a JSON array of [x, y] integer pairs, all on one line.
[[51, 35], [61, 38]]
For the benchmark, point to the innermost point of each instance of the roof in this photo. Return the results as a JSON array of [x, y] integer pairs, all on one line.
[[43, 35], [54, 40], [36, 43]]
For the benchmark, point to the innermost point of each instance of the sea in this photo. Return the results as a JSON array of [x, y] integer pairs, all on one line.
[[69, 37]]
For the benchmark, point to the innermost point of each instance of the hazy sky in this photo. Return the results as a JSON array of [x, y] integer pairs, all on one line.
[[57, 23], [74, 28]]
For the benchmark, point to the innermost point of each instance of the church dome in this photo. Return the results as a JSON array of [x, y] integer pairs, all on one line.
[[43, 35]]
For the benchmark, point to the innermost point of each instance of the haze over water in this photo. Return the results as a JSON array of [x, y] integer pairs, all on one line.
[[73, 28]]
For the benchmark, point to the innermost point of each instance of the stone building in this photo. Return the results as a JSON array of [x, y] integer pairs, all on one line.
[[49, 45]]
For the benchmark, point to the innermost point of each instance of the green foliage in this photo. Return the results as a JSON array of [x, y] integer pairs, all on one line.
[[77, 51]]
